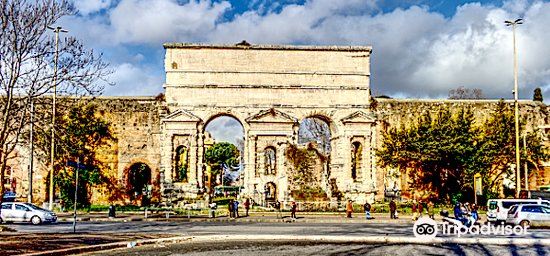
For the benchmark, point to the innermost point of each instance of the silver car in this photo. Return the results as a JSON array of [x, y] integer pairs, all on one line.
[[25, 212], [529, 215]]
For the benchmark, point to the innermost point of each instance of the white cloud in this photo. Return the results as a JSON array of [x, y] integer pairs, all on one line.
[[86, 7], [144, 21], [132, 80], [416, 52], [226, 128]]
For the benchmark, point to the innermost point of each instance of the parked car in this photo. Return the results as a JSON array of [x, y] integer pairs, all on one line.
[[497, 209], [25, 212], [8, 196], [529, 215]]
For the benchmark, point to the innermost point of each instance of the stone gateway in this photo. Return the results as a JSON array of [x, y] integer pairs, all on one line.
[[269, 90]]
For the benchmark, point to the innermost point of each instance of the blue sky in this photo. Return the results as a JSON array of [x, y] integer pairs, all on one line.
[[421, 49]]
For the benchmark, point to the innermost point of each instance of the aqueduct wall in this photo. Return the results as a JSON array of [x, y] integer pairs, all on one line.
[[269, 90]]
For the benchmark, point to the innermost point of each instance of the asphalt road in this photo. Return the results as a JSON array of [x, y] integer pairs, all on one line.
[[279, 247], [181, 228], [302, 248]]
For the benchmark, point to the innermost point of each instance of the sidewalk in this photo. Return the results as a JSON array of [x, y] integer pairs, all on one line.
[[265, 217]]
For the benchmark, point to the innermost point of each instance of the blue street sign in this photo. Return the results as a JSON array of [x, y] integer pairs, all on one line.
[[77, 165]]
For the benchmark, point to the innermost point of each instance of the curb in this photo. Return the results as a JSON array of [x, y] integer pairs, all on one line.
[[246, 220], [311, 238]]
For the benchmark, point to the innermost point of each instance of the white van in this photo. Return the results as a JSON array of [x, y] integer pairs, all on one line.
[[497, 209]]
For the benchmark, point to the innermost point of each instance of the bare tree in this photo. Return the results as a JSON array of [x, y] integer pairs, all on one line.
[[465, 93], [314, 129], [27, 50]]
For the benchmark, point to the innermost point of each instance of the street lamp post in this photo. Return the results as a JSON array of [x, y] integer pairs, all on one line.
[[525, 170], [516, 106], [31, 157], [56, 30]]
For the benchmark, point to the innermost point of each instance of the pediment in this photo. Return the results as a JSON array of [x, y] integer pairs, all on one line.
[[359, 117], [181, 115], [271, 116]]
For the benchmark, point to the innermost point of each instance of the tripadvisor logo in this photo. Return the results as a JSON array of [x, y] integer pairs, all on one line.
[[428, 228], [425, 228]]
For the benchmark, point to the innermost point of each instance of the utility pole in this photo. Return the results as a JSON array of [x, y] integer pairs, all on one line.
[[75, 194], [52, 153], [525, 162], [516, 106], [31, 157]]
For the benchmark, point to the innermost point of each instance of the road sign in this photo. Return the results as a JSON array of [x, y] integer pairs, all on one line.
[[478, 185], [77, 165]]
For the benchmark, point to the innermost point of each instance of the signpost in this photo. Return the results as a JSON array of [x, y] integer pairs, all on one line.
[[77, 166], [478, 189]]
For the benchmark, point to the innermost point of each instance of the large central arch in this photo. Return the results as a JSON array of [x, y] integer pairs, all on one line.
[[269, 90]]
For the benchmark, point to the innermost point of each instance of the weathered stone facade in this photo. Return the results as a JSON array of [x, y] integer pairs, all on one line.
[[403, 112], [269, 90]]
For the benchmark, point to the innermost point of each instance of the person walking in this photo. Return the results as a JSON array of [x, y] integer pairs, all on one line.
[[367, 207], [236, 208], [393, 208], [349, 209], [420, 209], [293, 210], [213, 206], [278, 209], [247, 206], [414, 210], [474, 217], [430, 208], [230, 208]]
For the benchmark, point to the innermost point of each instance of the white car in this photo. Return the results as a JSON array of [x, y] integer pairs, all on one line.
[[529, 215], [25, 212], [497, 209]]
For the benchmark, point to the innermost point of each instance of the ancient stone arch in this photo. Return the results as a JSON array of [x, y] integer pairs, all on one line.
[[269, 90]]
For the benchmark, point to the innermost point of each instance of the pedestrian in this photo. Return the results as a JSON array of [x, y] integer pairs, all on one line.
[[213, 206], [349, 209], [293, 210], [393, 208], [414, 210], [230, 208], [278, 209], [236, 208], [430, 208], [459, 213], [367, 207], [247, 206], [420, 208], [473, 215]]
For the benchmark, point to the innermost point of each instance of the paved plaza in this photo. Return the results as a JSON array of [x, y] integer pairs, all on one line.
[[348, 237]]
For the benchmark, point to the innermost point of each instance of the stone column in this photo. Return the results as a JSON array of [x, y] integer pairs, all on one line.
[[281, 178], [245, 177], [250, 167], [192, 162], [372, 155], [295, 131], [200, 152], [342, 159], [367, 161], [166, 157]]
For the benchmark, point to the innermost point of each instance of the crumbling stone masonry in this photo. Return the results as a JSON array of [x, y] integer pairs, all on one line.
[[269, 89]]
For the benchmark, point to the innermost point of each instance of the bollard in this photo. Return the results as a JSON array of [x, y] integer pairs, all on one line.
[[112, 211]]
